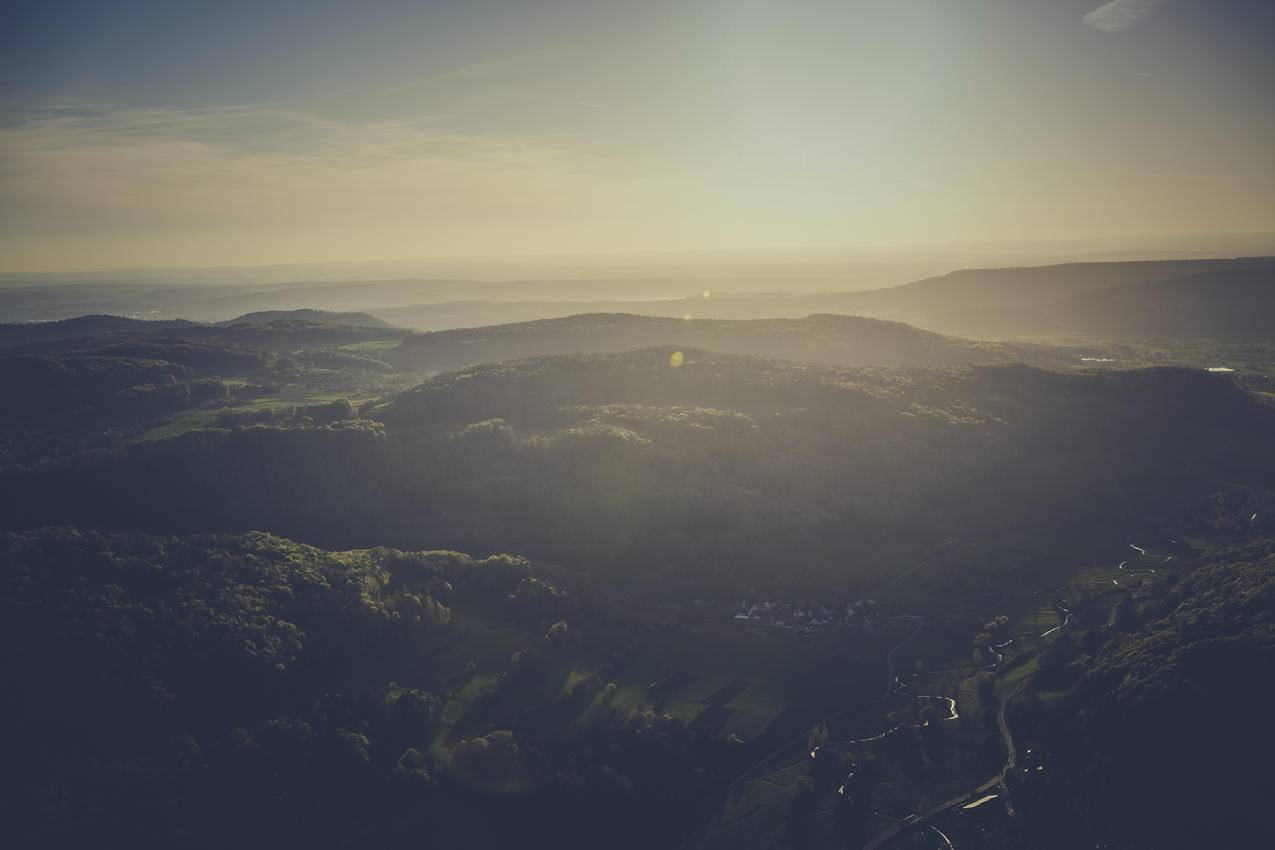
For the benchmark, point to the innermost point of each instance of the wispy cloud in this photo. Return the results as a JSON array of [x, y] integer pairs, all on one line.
[[1120, 15], [76, 175], [478, 70], [234, 154]]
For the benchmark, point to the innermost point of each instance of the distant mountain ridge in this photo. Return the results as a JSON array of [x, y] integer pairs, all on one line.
[[20, 333], [1153, 298], [1230, 298], [1081, 297], [1220, 303], [251, 328]]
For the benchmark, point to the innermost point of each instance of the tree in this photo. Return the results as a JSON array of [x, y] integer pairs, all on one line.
[[801, 813], [492, 760], [1058, 654], [1125, 616], [817, 738], [413, 769]]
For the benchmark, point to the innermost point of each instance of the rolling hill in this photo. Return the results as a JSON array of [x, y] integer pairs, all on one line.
[[131, 378], [293, 329], [1225, 303], [845, 340], [1163, 298], [22, 333], [623, 462], [318, 317]]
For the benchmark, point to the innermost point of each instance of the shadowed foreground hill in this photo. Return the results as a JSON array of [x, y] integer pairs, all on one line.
[[729, 465], [843, 340], [247, 691], [134, 665], [1160, 740], [180, 667]]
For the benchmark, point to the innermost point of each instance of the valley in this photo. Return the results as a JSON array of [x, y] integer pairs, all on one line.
[[771, 583]]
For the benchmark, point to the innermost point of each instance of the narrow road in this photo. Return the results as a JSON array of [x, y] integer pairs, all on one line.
[[1011, 760], [748, 774]]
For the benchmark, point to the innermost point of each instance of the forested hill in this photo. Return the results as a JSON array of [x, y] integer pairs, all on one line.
[[83, 326], [325, 317], [525, 391], [1220, 304], [110, 389], [625, 462], [288, 328], [1164, 298], [1035, 285], [247, 691], [1166, 712], [847, 340]]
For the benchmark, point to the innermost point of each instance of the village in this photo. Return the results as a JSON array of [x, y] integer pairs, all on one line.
[[809, 618]]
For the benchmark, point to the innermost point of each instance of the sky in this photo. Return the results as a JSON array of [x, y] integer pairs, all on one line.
[[144, 133]]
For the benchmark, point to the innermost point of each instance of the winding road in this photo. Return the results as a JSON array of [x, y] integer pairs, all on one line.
[[749, 774], [1011, 760]]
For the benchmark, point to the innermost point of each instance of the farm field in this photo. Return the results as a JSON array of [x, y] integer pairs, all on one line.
[[912, 765]]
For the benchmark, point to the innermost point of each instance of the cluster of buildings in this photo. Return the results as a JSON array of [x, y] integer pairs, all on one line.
[[809, 618]]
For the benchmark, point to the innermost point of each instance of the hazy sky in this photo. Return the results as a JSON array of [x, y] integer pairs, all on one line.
[[163, 133]]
